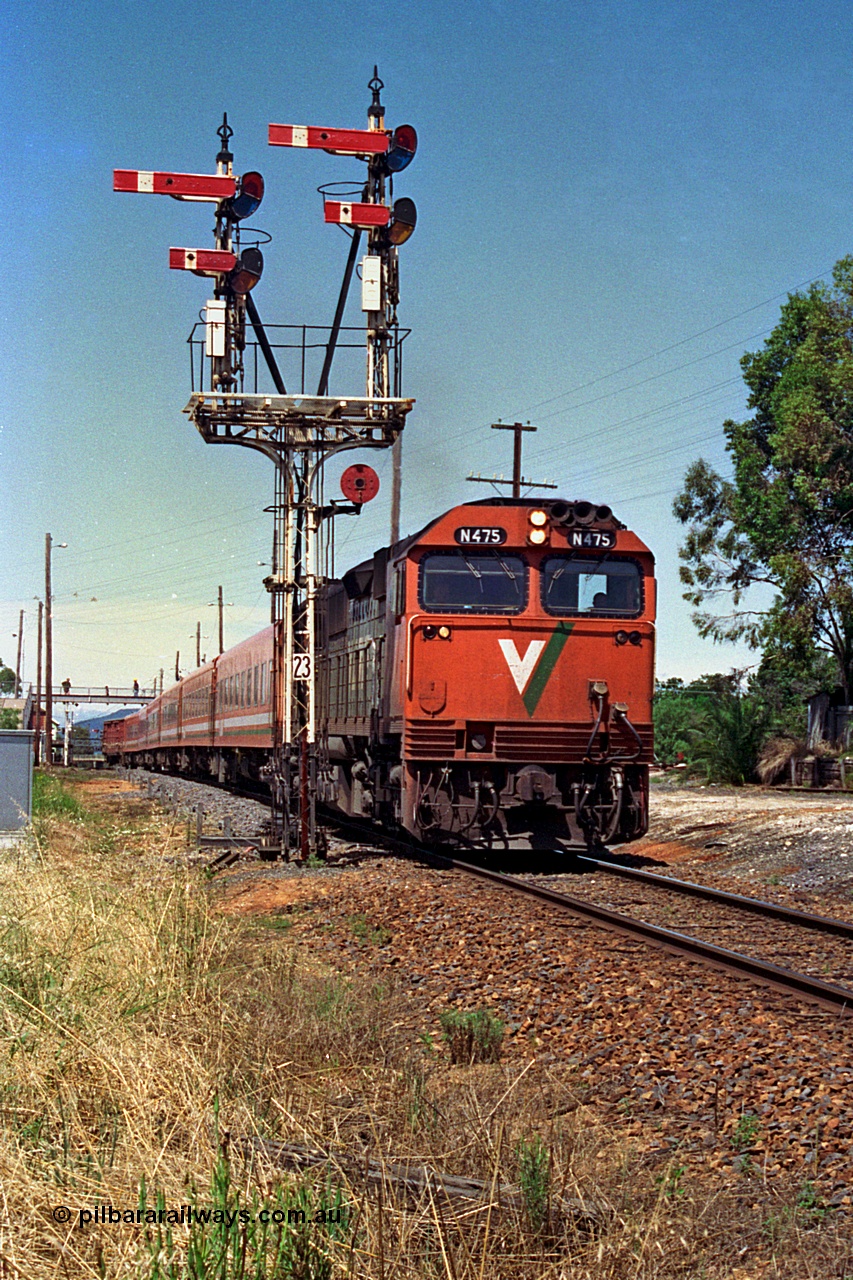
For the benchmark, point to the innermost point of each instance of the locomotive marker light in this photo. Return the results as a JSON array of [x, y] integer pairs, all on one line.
[[359, 483]]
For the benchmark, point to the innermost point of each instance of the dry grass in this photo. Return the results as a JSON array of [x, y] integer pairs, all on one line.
[[774, 762], [140, 1027]]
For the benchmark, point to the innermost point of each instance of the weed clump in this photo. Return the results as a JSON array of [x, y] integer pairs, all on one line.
[[51, 799], [534, 1177], [473, 1036]]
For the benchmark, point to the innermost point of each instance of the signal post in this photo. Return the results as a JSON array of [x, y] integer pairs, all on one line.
[[299, 433]]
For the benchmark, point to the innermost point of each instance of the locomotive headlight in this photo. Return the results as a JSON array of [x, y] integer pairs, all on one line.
[[538, 533], [478, 742]]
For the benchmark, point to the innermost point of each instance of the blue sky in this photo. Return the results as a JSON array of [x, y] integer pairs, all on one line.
[[613, 200]]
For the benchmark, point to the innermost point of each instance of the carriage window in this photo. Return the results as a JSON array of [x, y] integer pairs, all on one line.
[[603, 588], [482, 583]]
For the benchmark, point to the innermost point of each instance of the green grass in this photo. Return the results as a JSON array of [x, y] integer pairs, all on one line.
[[51, 799], [472, 1036]]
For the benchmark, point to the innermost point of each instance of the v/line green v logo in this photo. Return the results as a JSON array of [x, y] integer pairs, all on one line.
[[532, 672]]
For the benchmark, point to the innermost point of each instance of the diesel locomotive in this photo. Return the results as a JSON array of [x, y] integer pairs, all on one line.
[[487, 681]]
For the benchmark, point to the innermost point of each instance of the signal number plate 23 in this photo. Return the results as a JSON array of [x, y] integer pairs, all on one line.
[[600, 538], [480, 535]]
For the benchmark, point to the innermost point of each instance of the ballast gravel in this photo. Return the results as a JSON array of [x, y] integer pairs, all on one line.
[[688, 1059]]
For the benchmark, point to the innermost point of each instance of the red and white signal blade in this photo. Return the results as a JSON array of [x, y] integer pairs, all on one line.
[[204, 262], [351, 142], [357, 215], [186, 186]]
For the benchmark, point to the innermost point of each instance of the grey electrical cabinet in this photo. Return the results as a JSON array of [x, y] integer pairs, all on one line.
[[16, 778]]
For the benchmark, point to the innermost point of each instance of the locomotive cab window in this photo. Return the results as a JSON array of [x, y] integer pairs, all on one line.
[[453, 582], [601, 588]]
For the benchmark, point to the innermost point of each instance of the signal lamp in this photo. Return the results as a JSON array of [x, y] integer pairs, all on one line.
[[621, 637], [430, 632], [401, 152], [248, 270], [404, 216], [249, 196], [635, 637], [444, 633], [538, 519]]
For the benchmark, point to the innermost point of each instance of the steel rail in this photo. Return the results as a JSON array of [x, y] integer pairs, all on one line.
[[787, 981], [838, 999], [775, 910]]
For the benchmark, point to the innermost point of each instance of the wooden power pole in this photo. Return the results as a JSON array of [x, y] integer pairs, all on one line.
[[518, 481], [18, 662], [48, 655], [38, 685]]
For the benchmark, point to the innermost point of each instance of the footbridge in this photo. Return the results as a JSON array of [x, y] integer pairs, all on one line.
[[109, 695]]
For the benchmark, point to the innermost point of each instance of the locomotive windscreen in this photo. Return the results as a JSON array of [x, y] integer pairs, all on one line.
[[603, 586], [482, 583]]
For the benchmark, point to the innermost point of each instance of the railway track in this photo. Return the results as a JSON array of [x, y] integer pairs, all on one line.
[[778, 930], [829, 995]]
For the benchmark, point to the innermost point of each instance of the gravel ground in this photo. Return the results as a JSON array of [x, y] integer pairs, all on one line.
[[802, 841], [735, 1079]]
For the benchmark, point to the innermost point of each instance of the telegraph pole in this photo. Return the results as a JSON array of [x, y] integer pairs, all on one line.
[[518, 481], [198, 644], [38, 687], [48, 653], [221, 637], [18, 662]]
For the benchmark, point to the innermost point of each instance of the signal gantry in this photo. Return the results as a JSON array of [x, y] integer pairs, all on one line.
[[299, 433]]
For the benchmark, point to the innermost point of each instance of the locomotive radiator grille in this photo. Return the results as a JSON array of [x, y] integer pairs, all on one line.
[[556, 743], [561, 743], [428, 740]]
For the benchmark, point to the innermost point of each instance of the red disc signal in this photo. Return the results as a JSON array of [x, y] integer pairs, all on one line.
[[359, 483]]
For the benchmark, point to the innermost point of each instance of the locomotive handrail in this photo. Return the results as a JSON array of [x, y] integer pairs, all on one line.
[[409, 633]]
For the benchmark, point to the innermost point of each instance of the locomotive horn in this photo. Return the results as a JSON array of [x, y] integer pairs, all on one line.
[[562, 513], [584, 512], [603, 513]]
